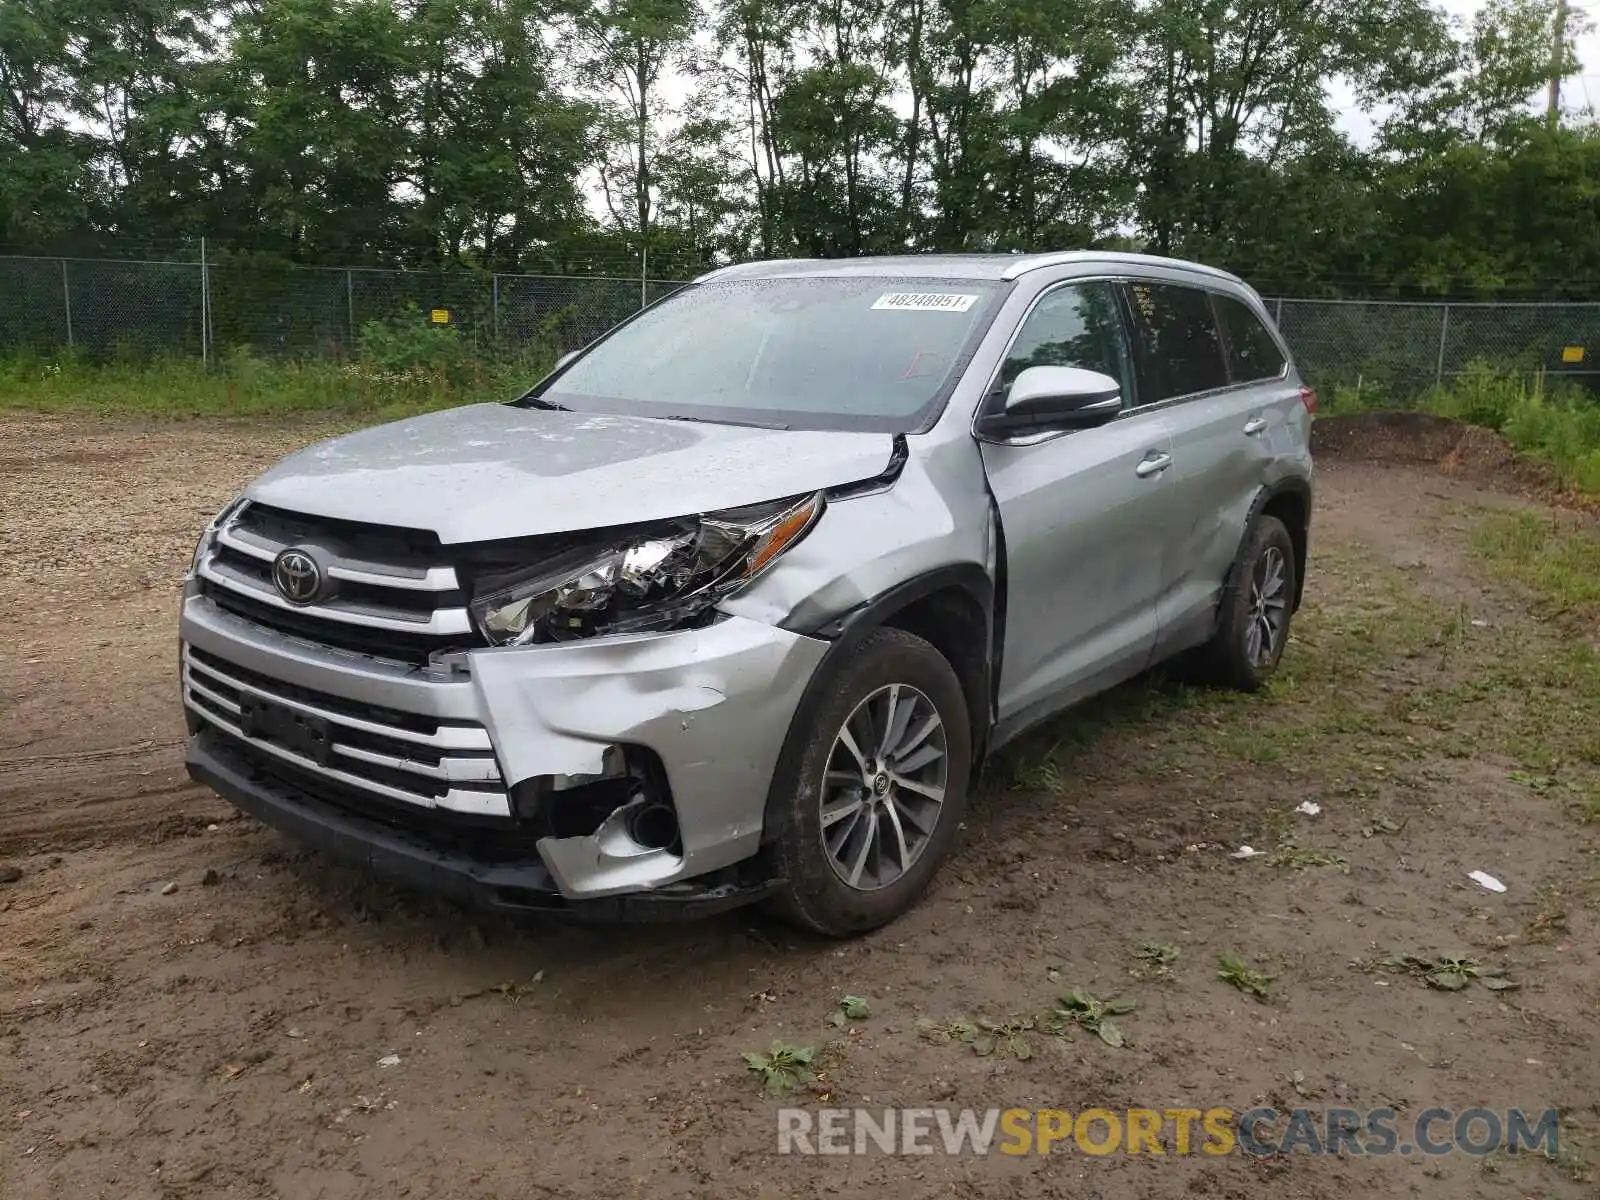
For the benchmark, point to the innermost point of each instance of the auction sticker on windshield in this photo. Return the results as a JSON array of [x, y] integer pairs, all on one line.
[[925, 301]]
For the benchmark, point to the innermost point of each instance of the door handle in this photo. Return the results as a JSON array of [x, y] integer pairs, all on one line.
[[1254, 425], [1153, 465]]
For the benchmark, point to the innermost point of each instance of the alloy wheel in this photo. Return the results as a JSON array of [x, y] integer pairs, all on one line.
[[883, 787], [1269, 607]]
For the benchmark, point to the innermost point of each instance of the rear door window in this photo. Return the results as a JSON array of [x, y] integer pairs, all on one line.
[[1253, 354], [1177, 346]]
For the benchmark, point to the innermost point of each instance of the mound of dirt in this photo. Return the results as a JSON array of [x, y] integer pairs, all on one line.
[[1467, 451]]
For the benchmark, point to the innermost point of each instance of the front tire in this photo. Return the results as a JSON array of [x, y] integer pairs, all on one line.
[[870, 793], [1253, 624]]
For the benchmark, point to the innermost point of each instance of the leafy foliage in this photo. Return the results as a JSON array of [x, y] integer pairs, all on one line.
[[577, 134], [1447, 972], [1079, 1008], [851, 1008], [781, 1068], [1235, 972], [1154, 958], [982, 1035]]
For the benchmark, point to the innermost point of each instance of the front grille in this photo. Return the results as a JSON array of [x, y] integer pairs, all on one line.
[[404, 553], [392, 593], [411, 649], [391, 759]]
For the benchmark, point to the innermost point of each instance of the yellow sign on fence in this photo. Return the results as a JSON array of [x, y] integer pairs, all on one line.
[[440, 316], [1572, 354]]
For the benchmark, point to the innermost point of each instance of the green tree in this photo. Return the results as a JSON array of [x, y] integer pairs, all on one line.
[[1233, 81], [623, 50], [318, 93], [496, 149], [47, 190]]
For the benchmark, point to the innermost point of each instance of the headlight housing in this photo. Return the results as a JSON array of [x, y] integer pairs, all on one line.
[[660, 578], [209, 533]]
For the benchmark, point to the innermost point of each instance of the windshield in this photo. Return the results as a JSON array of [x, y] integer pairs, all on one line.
[[801, 352]]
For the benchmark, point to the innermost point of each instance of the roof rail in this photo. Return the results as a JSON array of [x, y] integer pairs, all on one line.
[[744, 268], [1035, 262]]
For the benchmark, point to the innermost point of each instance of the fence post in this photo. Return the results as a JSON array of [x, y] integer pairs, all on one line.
[[1277, 311], [350, 305], [205, 308], [66, 301], [1444, 332], [494, 307]]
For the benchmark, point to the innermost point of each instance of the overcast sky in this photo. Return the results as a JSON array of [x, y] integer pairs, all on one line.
[[1579, 93]]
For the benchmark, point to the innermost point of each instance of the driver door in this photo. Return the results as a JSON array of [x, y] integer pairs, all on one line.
[[1078, 510]]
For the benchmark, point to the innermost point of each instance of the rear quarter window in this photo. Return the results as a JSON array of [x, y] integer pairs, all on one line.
[[1252, 351]]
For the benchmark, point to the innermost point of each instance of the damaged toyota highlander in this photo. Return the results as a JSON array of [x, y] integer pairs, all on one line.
[[733, 604]]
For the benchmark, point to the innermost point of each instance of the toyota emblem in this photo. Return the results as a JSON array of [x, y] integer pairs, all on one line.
[[297, 576]]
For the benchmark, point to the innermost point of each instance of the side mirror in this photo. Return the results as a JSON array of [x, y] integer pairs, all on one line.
[[564, 360], [1064, 397]]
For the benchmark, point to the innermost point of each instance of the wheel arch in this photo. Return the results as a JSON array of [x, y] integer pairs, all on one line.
[[953, 609], [1290, 502]]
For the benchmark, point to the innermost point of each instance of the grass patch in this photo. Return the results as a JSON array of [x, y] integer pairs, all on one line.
[[1458, 691], [1307, 713], [1294, 857], [243, 384], [1558, 559]]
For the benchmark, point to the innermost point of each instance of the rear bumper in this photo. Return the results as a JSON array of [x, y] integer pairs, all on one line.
[[385, 850]]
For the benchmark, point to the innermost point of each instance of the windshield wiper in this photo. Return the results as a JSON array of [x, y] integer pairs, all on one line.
[[747, 422], [532, 401]]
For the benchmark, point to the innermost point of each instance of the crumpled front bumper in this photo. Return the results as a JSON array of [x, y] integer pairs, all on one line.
[[714, 705]]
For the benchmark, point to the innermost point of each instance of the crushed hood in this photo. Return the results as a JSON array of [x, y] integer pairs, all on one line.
[[490, 471]]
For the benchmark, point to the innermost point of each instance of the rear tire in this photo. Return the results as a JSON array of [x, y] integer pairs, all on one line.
[[870, 793], [1253, 621]]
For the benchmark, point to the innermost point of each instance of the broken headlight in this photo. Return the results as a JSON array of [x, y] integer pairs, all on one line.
[[659, 579]]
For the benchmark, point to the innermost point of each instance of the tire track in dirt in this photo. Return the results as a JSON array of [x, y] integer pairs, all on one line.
[[97, 520]]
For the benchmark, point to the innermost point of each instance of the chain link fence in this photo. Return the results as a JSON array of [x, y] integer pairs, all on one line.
[[1394, 350], [106, 308], [101, 308]]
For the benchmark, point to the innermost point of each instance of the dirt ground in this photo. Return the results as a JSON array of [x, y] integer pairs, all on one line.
[[224, 1038]]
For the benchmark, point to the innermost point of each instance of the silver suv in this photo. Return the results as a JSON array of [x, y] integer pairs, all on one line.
[[733, 604]]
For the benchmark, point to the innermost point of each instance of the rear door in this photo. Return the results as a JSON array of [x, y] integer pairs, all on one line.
[[1076, 509], [1218, 397]]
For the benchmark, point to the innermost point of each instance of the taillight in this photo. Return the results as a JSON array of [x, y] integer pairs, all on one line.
[[1308, 397]]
